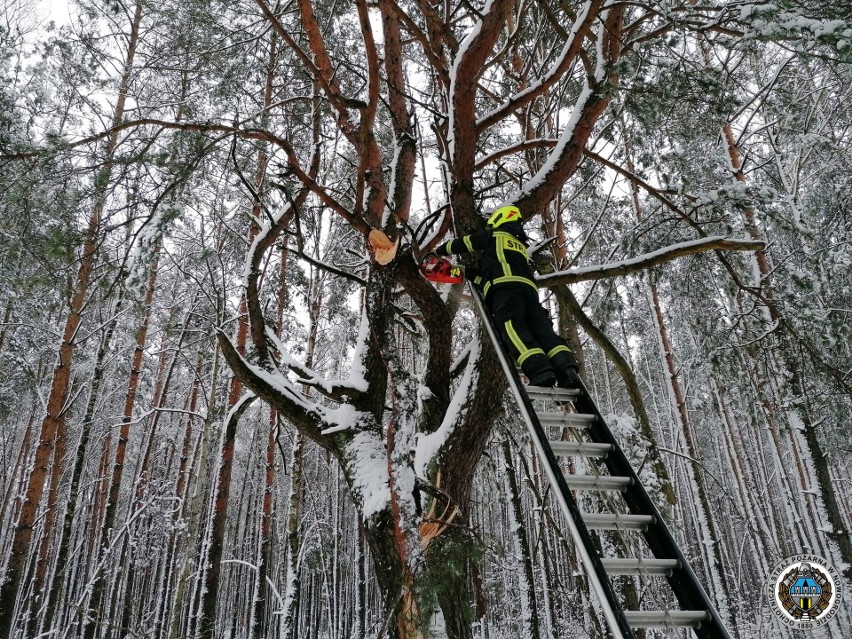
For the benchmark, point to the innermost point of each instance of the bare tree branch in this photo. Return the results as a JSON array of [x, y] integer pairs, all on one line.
[[642, 262]]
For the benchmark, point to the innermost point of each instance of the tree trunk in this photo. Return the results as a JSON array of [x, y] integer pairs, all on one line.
[[223, 486], [840, 529], [292, 582], [111, 509], [529, 608], [192, 508], [54, 420], [64, 540]]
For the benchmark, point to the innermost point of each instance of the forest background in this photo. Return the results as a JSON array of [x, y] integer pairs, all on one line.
[[222, 417]]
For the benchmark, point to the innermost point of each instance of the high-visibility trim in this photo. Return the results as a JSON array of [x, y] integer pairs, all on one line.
[[524, 352], [558, 349], [528, 354], [510, 242], [506, 279], [501, 257], [445, 247], [467, 242]]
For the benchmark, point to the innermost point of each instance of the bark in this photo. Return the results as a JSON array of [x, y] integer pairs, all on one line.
[[54, 420], [64, 541], [112, 499], [529, 607]]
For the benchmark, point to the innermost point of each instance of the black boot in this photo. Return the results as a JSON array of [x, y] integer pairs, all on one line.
[[566, 369], [539, 371]]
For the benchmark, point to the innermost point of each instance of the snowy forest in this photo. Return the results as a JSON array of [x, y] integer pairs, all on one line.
[[232, 407]]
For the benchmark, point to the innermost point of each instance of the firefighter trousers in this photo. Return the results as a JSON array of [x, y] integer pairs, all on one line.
[[527, 331]]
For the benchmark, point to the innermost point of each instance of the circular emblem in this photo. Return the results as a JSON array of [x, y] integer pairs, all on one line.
[[804, 591]]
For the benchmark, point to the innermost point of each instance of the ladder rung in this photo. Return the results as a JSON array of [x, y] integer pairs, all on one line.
[[575, 420], [596, 482], [617, 521], [666, 618], [631, 566], [553, 393], [580, 449]]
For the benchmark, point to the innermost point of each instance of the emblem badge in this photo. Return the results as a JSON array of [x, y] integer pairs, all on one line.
[[804, 591]]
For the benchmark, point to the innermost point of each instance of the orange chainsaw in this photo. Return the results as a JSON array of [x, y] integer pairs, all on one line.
[[441, 270]]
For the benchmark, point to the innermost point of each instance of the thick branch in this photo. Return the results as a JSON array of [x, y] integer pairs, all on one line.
[[642, 262], [437, 63], [322, 71], [308, 422], [437, 321], [462, 128], [405, 147], [569, 53], [589, 107]]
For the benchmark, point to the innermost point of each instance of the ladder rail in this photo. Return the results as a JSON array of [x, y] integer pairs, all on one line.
[[684, 582], [598, 579]]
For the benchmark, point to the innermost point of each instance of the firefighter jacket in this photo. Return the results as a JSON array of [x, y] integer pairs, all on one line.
[[504, 256]]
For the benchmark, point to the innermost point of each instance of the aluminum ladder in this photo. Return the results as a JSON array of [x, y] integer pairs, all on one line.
[[696, 610]]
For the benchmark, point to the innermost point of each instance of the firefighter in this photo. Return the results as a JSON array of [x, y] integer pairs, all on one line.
[[511, 295]]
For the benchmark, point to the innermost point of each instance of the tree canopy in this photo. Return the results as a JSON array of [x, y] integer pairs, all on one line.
[[214, 389]]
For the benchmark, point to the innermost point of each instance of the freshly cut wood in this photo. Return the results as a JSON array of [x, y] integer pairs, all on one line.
[[384, 250]]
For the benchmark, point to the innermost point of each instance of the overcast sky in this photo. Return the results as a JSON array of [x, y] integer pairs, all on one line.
[[56, 10]]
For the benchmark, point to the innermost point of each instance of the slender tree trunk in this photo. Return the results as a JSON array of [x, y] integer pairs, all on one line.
[[60, 386], [292, 582], [816, 457], [529, 606], [53, 424], [43, 558], [192, 509], [704, 523], [166, 593], [223, 486], [7, 315], [261, 599], [64, 541], [111, 509], [16, 478]]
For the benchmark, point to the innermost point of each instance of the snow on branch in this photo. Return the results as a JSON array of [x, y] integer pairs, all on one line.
[[429, 445], [276, 391], [588, 107], [570, 50], [641, 262], [334, 389]]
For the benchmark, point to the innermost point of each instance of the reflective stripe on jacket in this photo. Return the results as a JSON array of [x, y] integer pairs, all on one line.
[[504, 257]]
